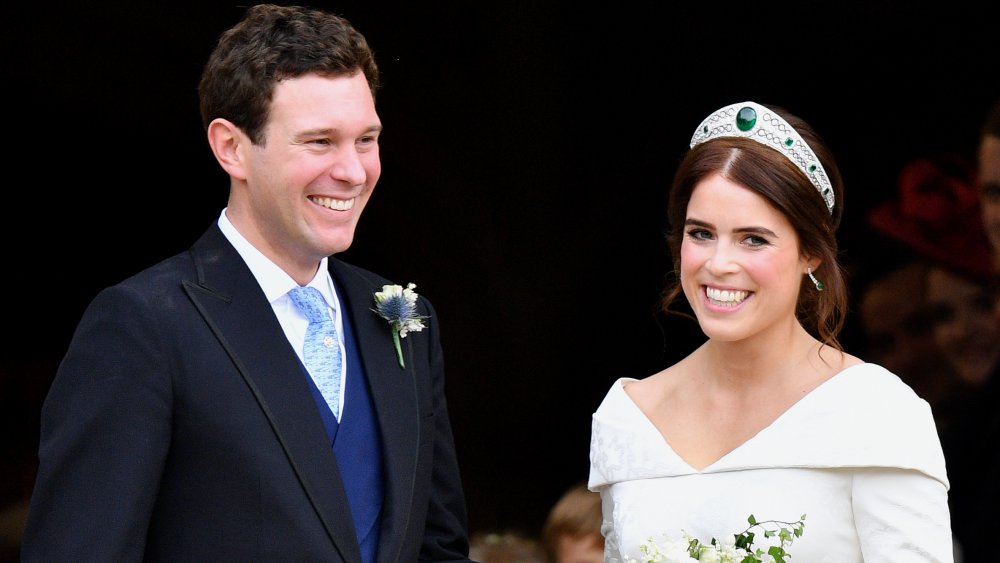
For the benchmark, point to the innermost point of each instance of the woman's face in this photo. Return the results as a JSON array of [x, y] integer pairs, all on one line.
[[741, 267], [963, 324]]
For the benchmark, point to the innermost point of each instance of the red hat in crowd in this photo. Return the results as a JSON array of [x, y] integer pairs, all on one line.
[[936, 213]]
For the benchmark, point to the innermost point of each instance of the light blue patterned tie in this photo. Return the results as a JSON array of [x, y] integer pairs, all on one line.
[[321, 351]]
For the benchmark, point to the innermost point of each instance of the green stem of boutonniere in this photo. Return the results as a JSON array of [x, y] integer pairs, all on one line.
[[399, 348]]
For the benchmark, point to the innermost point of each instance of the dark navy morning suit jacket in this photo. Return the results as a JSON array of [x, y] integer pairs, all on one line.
[[180, 427]]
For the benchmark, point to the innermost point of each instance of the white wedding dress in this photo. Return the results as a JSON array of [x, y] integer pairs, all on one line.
[[859, 456]]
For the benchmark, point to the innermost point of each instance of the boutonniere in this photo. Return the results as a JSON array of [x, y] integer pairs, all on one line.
[[398, 305], [737, 548]]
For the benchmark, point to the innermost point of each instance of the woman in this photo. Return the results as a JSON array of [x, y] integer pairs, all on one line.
[[769, 418]]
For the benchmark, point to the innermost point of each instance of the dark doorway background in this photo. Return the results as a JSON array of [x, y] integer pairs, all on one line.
[[526, 155]]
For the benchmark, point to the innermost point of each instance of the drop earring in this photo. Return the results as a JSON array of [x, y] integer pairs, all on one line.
[[816, 282]]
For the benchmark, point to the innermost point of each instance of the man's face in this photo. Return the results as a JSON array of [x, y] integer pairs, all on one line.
[[989, 183], [308, 182]]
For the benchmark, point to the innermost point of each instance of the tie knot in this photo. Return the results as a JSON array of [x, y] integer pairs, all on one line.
[[310, 301]]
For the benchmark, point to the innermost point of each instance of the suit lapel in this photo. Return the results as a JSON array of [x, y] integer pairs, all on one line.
[[231, 300], [394, 395]]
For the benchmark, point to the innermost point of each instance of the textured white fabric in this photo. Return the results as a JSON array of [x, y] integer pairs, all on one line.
[[859, 455]]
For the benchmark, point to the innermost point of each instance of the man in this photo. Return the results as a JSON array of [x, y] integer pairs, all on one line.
[[988, 158], [184, 423], [989, 179]]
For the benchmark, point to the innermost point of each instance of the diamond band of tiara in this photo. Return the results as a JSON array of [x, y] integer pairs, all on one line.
[[754, 121]]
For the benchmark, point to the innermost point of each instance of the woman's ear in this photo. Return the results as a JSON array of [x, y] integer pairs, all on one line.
[[810, 263], [228, 142]]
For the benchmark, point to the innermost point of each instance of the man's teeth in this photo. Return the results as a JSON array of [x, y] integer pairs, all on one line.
[[331, 203], [725, 296]]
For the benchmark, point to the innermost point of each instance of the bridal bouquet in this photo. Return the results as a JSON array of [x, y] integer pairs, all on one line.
[[738, 548]]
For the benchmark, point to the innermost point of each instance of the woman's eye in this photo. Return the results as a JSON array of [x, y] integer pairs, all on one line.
[[699, 234], [754, 240]]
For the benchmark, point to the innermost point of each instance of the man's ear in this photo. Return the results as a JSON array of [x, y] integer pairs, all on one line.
[[228, 144]]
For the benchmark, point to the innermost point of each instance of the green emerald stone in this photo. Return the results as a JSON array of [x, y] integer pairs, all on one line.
[[746, 118], [820, 286], [812, 167], [705, 130], [789, 142]]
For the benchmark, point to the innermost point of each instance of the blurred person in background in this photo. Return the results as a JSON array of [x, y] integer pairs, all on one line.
[[989, 180], [572, 530], [895, 319], [509, 546], [989, 191], [938, 215]]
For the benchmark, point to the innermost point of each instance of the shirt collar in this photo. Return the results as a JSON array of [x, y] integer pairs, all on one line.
[[275, 282]]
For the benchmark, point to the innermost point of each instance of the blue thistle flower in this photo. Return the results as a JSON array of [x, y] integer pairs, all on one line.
[[398, 305]]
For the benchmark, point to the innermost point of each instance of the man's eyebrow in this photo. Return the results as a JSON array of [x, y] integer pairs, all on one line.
[[331, 130]]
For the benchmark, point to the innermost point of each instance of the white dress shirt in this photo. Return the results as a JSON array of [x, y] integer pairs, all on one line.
[[276, 284]]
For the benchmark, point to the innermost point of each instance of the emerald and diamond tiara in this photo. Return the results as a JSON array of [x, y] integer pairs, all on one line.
[[754, 121]]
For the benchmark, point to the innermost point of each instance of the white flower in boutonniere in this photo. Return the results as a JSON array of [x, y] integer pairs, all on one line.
[[738, 548], [399, 306]]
